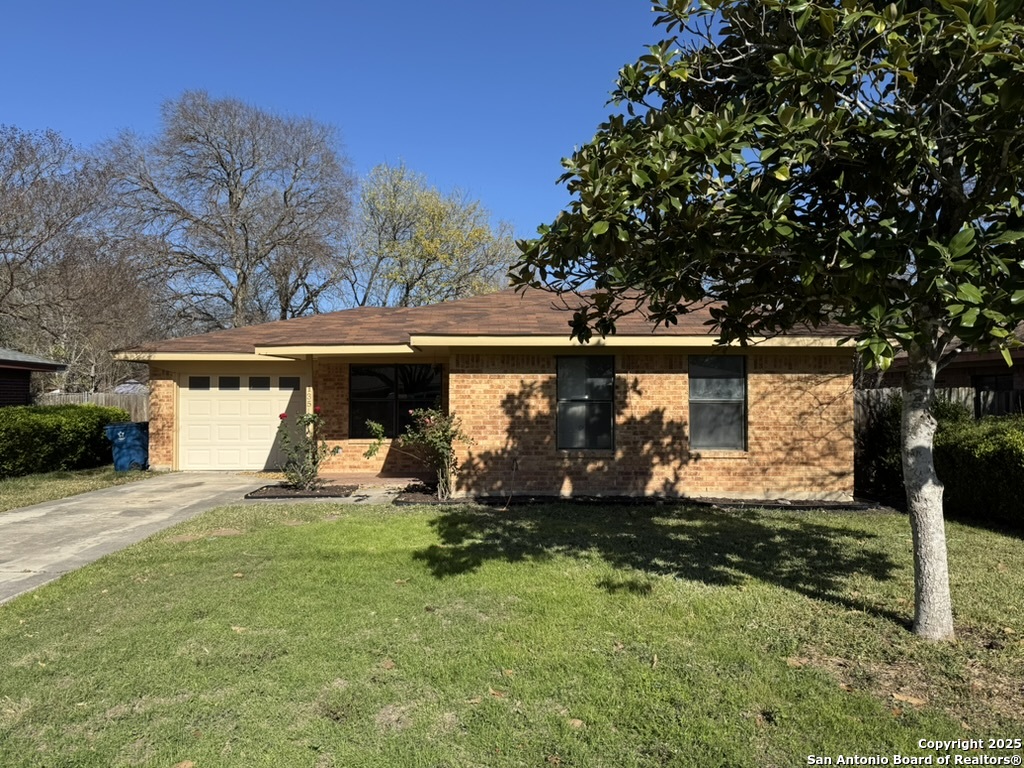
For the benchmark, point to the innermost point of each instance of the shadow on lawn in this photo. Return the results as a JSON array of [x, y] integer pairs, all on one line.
[[715, 547]]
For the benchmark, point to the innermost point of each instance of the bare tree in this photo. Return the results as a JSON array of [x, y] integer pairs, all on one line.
[[413, 245], [90, 300], [243, 209], [48, 192]]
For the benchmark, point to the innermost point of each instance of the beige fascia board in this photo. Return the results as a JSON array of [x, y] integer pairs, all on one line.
[[337, 349], [648, 342], [218, 357]]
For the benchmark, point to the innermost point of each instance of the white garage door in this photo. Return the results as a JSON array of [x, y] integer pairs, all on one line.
[[230, 421]]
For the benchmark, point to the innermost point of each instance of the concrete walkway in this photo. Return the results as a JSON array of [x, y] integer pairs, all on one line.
[[42, 542]]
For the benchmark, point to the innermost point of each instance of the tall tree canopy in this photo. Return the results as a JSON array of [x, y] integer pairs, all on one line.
[[809, 162], [413, 245], [68, 289], [243, 209], [49, 194]]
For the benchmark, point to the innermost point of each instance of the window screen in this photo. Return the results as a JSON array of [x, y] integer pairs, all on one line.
[[386, 393], [718, 402], [586, 400]]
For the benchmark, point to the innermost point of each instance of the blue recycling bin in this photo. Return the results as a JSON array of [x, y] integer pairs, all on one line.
[[130, 441]]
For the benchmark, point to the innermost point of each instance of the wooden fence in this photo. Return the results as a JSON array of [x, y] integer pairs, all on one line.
[[867, 402], [136, 404]]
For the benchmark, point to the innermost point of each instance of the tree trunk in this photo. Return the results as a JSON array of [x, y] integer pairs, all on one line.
[[933, 612]]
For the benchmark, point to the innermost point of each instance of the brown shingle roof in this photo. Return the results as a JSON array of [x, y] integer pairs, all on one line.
[[507, 313]]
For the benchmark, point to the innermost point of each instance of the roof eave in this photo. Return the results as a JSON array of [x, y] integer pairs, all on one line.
[[430, 341], [139, 356]]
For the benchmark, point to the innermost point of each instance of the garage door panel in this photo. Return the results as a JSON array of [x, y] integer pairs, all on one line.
[[197, 457], [259, 404], [230, 457], [229, 407], [197, 406], [229, 433], [197, 433], [261, 433]]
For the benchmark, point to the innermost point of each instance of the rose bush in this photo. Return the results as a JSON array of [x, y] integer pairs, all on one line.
[[430, 438], [304, 449]]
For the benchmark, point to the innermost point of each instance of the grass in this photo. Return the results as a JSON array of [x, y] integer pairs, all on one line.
[[18, 492], [326, 635]]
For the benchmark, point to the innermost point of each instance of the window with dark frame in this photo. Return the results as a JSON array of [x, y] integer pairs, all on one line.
[[259, 382], [198, 382], [586, 402], [718, 402], [386, 393], [229, 382], [288, 383]]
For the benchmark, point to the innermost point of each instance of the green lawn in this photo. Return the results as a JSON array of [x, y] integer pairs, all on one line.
[[32, 489], [326, 635]]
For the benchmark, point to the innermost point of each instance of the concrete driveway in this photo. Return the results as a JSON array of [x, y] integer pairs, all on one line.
[[42, 542]]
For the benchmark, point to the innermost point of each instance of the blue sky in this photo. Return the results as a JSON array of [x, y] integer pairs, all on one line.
[[487, 97]]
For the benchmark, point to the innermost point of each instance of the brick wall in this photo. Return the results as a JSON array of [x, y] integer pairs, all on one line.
[[161, 418], [800, 430]]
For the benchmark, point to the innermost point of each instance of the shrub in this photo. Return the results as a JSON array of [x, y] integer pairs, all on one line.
[[878, 467], [431, 439], [981, 464], [305, 450], [47, 438], [878, 464]]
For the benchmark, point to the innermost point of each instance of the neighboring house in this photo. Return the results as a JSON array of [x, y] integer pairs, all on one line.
[[131, 387], [16, 370], [981, 380], [646, 411]]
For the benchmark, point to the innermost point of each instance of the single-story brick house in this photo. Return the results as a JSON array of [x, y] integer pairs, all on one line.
[[646, 411]]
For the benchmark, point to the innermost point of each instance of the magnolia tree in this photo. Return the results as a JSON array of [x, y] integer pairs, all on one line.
[[807, 163]]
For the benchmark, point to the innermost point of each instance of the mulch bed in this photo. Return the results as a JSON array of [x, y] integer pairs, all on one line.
[[422, 494], [287, 492]]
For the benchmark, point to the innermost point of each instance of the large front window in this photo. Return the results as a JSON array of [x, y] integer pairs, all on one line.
[[586, 400], [718, 402], [386, 393]]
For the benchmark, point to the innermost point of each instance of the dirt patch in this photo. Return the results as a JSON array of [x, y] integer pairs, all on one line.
[[281, 491], [985, 696], [183, 538], [393, 718]]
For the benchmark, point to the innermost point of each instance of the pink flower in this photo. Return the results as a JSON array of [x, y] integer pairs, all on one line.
[[283, 416], [410, 412]]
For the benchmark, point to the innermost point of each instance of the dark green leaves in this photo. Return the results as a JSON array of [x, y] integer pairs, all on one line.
[[858, 162]]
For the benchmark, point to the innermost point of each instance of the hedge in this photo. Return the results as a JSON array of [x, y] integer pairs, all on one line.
[[878, 464], [980, 463], [47, 438]]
